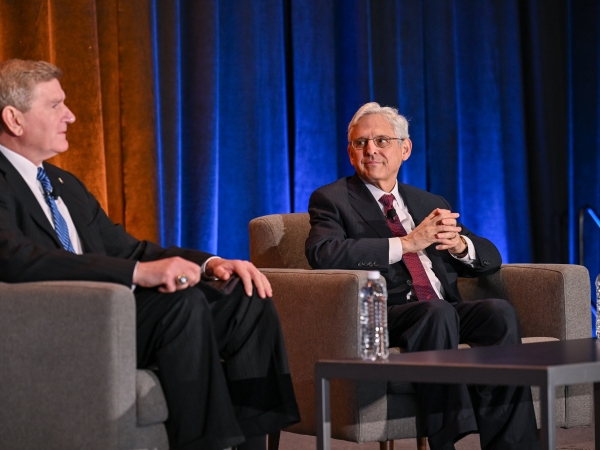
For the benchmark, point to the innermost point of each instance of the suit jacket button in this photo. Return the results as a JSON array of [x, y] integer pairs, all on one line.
[[370, 264], [375, 264], [409, 282], [486, 263], [360, 264]]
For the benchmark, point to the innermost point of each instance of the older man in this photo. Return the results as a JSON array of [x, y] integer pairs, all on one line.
[[219, 352], [369, 221]]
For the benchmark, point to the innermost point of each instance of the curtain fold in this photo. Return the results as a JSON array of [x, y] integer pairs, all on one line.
[[103, 48]]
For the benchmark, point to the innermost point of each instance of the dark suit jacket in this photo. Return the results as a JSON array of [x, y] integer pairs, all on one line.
[[30, 249], [349, 231]]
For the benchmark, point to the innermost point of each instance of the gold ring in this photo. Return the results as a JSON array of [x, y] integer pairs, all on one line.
[[182, 279]]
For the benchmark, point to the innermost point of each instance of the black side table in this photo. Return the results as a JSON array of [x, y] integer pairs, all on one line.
[[544, 364]]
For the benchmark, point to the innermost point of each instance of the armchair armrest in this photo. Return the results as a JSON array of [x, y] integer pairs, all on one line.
[[68, 365], [551, 300], [319, 311], [319, 315]]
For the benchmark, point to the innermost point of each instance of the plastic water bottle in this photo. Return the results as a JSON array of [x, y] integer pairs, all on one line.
[[373, 319]]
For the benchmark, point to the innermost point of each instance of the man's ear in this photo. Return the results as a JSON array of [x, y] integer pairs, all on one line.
[[406, 146], [350, 152], [12, 120]]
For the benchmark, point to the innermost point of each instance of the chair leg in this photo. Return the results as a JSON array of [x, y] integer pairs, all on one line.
[[273, 440], [421, 443], [387, 445]]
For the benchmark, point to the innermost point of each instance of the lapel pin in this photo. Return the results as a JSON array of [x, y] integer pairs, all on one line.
[[61, 181]]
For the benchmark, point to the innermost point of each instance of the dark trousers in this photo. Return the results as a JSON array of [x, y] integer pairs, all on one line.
[[503, 415], [221, 361]]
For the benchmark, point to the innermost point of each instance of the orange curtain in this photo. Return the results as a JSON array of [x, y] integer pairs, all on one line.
[[104, 49]]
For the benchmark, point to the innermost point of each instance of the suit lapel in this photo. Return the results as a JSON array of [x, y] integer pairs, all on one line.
[[366, 206], [75, 205], [414, 206], [30, 203]]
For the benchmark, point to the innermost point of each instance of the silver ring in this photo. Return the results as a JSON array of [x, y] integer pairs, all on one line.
[[182, 279]]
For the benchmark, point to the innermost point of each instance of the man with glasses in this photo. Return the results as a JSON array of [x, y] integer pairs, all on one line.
[[371, 221]]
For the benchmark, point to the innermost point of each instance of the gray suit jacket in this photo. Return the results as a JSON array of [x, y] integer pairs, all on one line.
[[349, 231]]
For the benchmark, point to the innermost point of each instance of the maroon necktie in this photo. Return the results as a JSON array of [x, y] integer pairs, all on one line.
[[421, 284]]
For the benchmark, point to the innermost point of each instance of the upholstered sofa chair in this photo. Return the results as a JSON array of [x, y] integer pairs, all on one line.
[[68, 375], [318, 310]]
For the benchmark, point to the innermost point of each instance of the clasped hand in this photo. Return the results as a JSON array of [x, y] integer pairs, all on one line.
[[165, 274], [440, 228]]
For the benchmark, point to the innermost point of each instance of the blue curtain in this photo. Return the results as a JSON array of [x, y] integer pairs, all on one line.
[[583, 132], [502, 97]]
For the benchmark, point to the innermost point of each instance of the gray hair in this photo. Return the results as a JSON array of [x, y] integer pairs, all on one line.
[[390, 115], [18, 79]]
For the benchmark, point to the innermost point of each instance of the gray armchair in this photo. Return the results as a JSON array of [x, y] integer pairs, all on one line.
[[318, 310], [68, 371]]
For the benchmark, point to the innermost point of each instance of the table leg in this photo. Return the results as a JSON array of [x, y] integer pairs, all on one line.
[[597, 414], [548, 412], [323, 414]]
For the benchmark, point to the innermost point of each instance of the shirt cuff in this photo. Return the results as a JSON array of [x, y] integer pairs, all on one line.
[[469, 258], [395, 251], [203, 270]]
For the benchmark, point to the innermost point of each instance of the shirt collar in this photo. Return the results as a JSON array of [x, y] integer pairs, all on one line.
[[377, 193], [26, 168]]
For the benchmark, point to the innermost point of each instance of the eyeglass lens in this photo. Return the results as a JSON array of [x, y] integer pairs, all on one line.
[[379, 141]]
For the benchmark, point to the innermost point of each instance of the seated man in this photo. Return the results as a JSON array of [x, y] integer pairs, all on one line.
[[220, 353], [370, 221]]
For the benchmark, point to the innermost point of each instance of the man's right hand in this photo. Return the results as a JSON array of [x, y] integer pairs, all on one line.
[[165, 273], [432, 230]]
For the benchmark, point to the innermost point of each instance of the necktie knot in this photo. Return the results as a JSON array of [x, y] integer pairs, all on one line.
[[387, 200]]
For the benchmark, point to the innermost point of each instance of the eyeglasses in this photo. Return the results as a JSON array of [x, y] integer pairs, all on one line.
[[379, 141]]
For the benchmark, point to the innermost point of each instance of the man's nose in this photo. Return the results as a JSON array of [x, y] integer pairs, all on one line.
[[370, 147], [69, 116]]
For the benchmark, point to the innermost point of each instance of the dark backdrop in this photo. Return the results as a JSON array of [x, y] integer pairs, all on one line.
[[502, 98], [225, 110]]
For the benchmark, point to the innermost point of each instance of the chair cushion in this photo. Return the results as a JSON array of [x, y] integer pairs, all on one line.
[[150, 400]]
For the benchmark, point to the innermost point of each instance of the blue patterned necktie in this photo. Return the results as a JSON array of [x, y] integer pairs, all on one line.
[[60, 226]]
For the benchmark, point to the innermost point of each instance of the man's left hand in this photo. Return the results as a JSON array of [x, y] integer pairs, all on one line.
[[248, 273], [459, 247], [450, 241]]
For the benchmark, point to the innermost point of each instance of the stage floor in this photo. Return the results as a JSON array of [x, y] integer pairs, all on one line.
[[579, 438]]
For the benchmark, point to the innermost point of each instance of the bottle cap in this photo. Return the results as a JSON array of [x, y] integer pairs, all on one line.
[[373, 275]]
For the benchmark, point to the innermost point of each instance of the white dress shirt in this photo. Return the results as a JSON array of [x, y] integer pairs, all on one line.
[[395, 248], [28, 171]]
